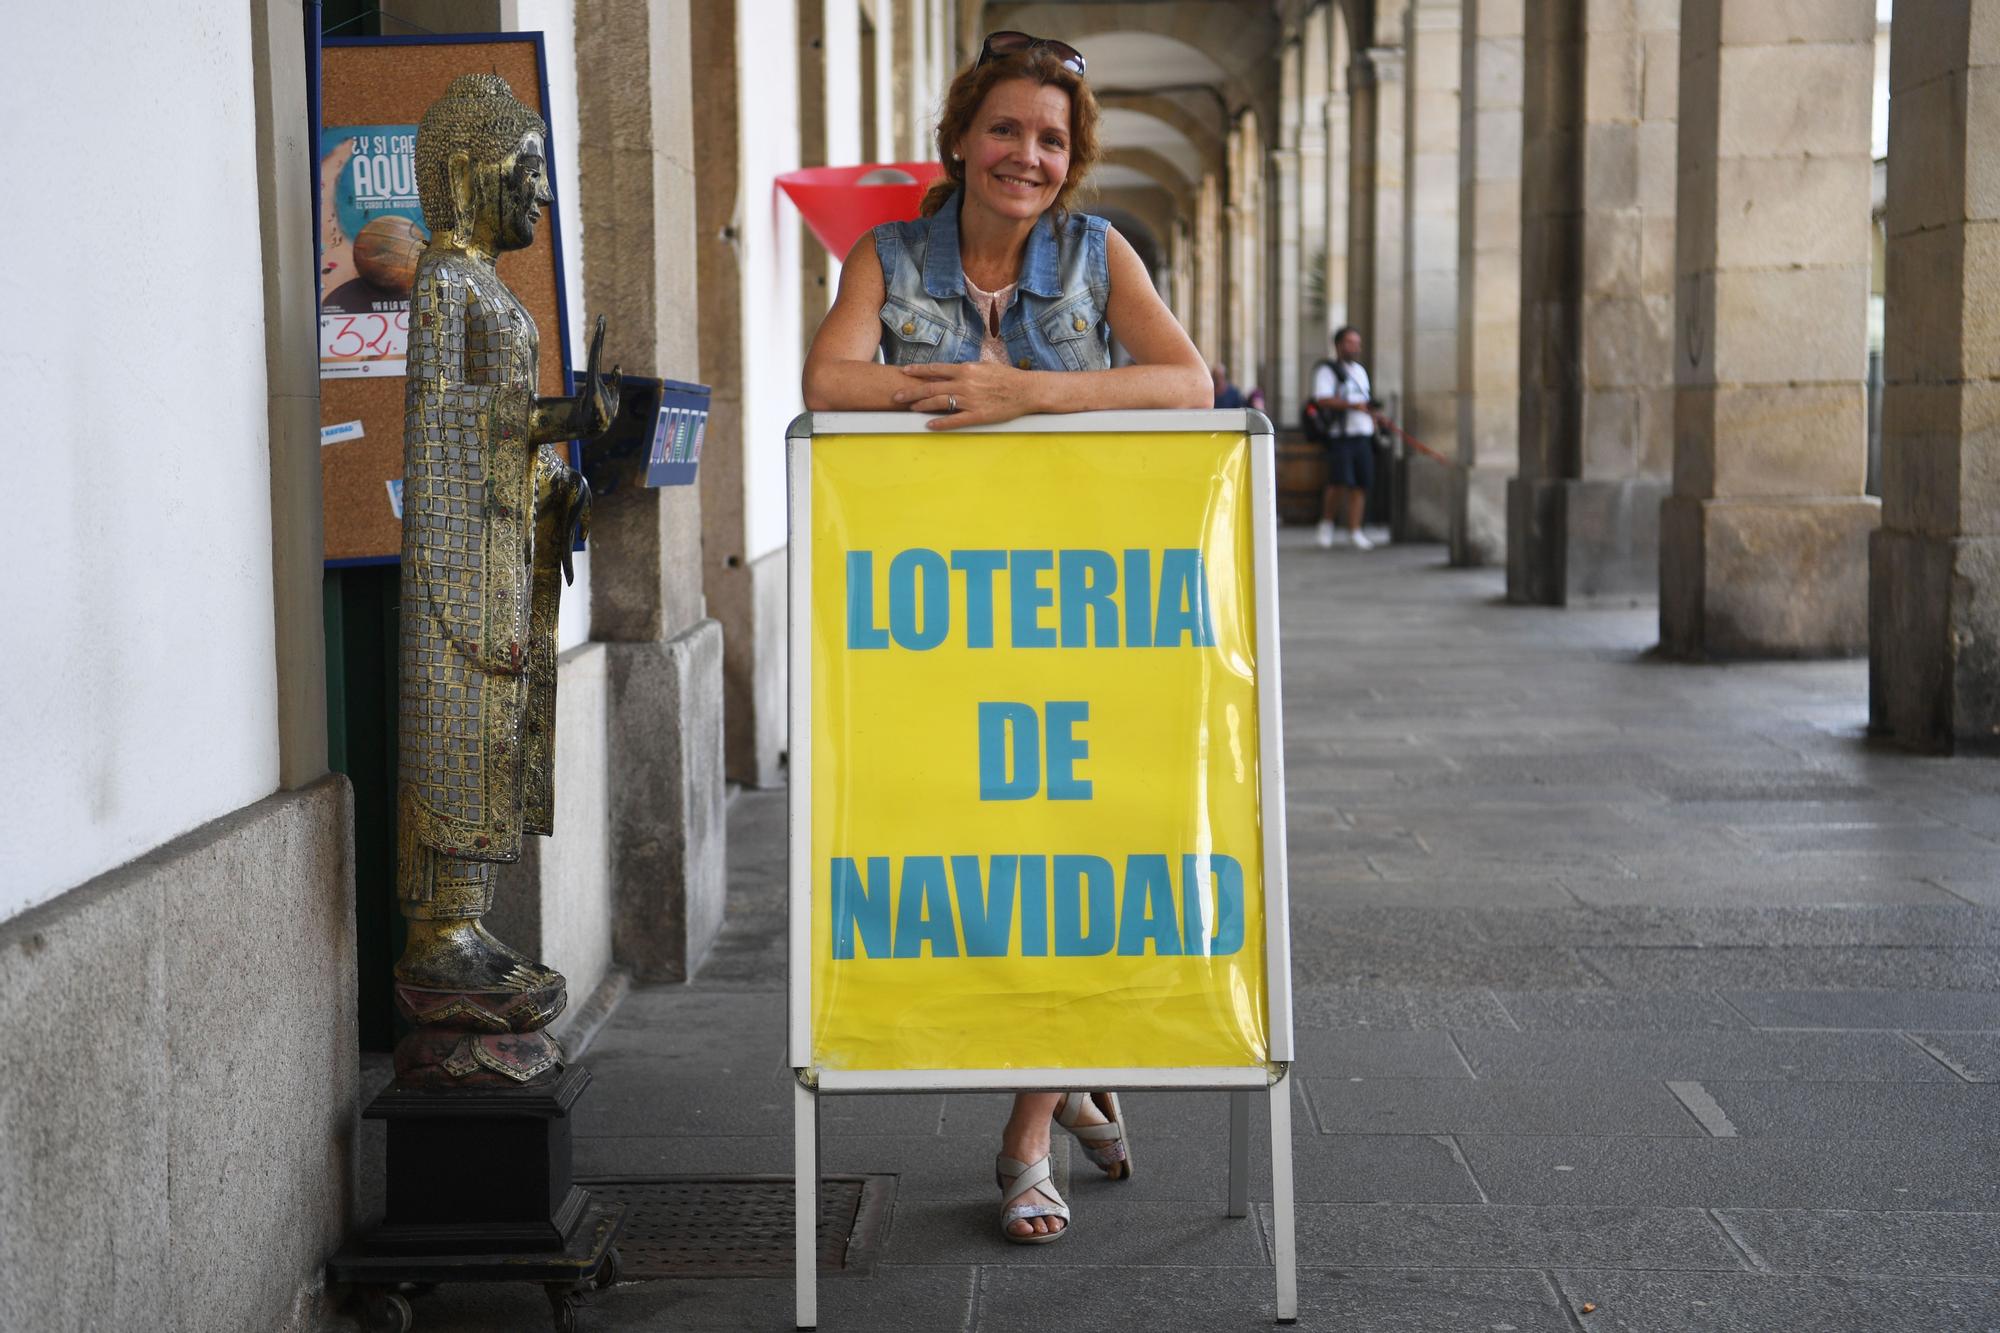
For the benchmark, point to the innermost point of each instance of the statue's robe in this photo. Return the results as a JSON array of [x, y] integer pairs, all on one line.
[[484, 513]]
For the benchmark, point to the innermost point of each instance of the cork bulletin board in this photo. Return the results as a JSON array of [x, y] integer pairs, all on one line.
[[386, 83]]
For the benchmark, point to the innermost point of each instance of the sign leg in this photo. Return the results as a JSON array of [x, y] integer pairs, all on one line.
[[805, 1165], [1284, 1231], [1239, 1153]]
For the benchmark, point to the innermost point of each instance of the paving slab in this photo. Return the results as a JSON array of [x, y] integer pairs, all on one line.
[[1776, 891], [1536, 892], [1109, 1233], [1770, 968], [1753, 1303], [1888, 1009], [1894, 1244], [1937, 1174], [1511, 1236], [1375, 1053], [1800, 1057], [1416, 1300], [1618, 1011], [1973, 1056], [1832, 1111], [1810, 925], [1417, 1010], [897, 1299], [1497, 1106]]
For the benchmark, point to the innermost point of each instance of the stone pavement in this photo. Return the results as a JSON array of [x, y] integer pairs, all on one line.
[[1625, 984]]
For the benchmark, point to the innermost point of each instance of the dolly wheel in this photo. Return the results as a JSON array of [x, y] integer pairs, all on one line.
[[608, 1273], [387, 1312], [563, 1304]]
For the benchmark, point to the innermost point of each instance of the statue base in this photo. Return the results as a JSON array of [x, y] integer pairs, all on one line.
[[479, 1190], [477, 1039], [445, 1058]]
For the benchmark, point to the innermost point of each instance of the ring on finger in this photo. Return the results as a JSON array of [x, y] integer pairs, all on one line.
[[953, 400]]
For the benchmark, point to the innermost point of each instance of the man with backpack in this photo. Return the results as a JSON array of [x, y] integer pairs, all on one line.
[[1341, 415]]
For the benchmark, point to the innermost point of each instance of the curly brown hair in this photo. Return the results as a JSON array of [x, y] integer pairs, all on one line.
[[967, 94]]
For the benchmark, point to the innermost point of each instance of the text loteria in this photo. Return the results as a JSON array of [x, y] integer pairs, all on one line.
[[1055, 599]]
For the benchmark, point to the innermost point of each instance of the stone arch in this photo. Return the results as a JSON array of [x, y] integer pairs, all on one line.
[[1205, 138], [1122, 128], [1139, 220], [1160, 171], [1225, 45]]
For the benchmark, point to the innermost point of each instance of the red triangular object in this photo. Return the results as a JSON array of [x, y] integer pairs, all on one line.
[[839, 208]]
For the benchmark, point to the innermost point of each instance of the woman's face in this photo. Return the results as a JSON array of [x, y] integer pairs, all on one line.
[[1017, 149]]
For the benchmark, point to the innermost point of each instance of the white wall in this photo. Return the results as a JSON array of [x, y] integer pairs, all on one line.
[[843, 87], [576, 907], [769, 238], [556, 21], [138, 690]]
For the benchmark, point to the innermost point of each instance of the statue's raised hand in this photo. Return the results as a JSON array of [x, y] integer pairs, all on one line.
[[587, 415], [597, 404]]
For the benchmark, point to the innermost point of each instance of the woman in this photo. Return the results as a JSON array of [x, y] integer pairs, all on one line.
[[998, 302]]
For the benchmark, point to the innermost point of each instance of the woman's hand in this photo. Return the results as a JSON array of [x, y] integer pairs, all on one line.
[[969, 393]]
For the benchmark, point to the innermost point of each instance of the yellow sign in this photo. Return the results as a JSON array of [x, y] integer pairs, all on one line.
[[1035, 777]]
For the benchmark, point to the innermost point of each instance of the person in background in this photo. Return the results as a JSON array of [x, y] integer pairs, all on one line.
[[1254, 399], [1226, 394], [1340, 388]]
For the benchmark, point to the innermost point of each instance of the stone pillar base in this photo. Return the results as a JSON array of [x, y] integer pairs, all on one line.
[[1573, 542], [1765, 578], [1420, 508], [665, 757], [1478, 516], [1934, 641]]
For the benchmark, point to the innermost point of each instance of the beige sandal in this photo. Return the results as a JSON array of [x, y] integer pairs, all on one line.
[[1104, 1144], [1017, 1178]]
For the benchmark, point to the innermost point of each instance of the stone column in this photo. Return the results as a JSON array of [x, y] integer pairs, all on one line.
[[1934, 640], [1313, 257], [746, 252], [1289, 270], [1339, 169], [1422, 508], [816, 267], [1376, 307], [1210, 263], [1489, 278], [1244, 293], [1763, 544], [1597, 302], [664, 656], [1180, 269]]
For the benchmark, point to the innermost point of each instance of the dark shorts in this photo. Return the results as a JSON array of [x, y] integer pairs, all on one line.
[[1350, 461]]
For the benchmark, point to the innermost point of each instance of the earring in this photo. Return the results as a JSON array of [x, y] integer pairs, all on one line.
[[956, 158]]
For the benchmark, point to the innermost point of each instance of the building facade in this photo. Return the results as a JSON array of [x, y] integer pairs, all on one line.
[[1612, 262]]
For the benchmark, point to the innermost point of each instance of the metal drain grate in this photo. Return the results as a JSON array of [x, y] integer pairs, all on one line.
[[741, 1226]]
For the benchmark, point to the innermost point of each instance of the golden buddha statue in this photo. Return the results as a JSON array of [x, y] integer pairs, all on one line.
[[490, 509]]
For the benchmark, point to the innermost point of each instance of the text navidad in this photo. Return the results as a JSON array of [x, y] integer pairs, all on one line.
[[1066, 906]]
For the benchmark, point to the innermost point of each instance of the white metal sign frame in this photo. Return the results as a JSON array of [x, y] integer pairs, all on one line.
[[1241, 1082]]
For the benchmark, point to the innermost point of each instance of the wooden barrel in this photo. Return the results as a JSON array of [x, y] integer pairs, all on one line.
[[1301, 478]]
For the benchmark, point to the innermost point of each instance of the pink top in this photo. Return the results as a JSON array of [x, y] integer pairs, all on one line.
[[992, 348]]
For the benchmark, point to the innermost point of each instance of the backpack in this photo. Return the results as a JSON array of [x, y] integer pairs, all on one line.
[[1316, 422]]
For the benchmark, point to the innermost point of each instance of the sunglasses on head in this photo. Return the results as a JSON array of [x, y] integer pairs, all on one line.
[[1000, 44]]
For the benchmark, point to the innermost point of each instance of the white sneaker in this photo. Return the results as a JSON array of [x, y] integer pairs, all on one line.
[[1324, 535], [1361, 542]]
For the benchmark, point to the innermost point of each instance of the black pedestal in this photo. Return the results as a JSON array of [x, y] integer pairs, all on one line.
[[480, 1191]]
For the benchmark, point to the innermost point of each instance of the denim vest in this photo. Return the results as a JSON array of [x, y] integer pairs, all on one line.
[[1055, 321]]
